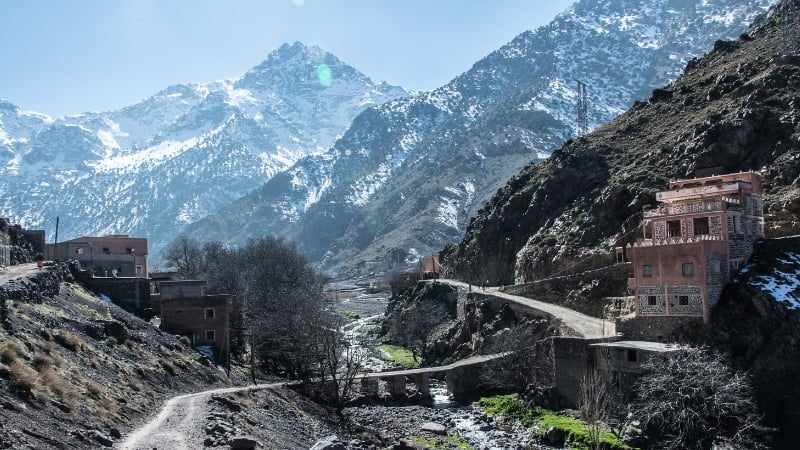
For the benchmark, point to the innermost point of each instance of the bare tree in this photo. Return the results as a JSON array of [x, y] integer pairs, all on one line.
[[339, 361], [595, 404], [184, 253], [694, 400]]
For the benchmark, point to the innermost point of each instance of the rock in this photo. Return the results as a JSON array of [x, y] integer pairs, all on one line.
[[209, 442], [331, 442], [62, 406], [233, 405], [407, 444], [101, 438], [243, 443], [434, 428], [115, 433], [554, 437]]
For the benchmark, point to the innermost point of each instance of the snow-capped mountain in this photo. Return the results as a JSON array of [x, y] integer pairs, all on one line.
[[151, 168], [407, 175]]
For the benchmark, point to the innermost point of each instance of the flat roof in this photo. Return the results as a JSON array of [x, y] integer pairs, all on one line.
[[643, 345]]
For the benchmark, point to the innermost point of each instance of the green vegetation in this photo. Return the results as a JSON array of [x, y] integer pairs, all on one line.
[[449, 442], [399, 355], [511, 407]]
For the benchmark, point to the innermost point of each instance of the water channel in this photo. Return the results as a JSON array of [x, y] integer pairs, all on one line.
[[465, 420]]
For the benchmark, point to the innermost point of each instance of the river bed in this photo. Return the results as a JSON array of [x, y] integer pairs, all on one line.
[[467, 421]]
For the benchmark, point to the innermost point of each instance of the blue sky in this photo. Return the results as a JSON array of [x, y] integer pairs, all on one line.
[[70, 56]]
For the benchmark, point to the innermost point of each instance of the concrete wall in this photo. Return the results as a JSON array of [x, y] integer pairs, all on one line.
[[181, 289], [131, 294], [5, 249]]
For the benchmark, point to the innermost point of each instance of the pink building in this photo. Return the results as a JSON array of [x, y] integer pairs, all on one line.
[[695, 241]]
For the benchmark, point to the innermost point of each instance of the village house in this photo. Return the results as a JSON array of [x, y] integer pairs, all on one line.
[[5, 244], [693, 243], [115, 255], [429, 267], [186, 309]]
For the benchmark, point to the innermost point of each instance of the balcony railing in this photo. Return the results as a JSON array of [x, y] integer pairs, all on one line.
[[698, 191]]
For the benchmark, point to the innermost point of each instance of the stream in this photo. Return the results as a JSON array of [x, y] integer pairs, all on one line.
[[466, 420]]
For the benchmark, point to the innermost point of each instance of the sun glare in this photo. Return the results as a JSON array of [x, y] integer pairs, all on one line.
[[324, 75]]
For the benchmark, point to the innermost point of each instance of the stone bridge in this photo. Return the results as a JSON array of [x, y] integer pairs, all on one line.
[[461, 376]]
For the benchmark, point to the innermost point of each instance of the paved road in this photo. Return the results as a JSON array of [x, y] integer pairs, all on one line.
[[180, 423], [585, 326]]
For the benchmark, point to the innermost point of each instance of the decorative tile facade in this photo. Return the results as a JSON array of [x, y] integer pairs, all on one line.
[[732, 206]]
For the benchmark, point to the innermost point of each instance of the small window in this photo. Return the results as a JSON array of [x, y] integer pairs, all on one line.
[[632, 356], [139, 269], [683, 300], [673, 228], [209, 313], [129, 251], [79, 251], [647, 270], [651, 300], [700, 225], [687, 269], [211, 335], [106, 251]]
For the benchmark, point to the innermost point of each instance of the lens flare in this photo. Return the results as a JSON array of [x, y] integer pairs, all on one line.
[[324, 75]]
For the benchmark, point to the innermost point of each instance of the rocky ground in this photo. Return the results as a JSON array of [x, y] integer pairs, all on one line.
[[77, 372]]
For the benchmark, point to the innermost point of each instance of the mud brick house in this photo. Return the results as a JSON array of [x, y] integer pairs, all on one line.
[[429, 267], [115, 255], [698, 237], [185, 309]]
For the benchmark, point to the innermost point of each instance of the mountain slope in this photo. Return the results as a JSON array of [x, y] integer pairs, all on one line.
[[407, 175], [734, 109], [181, 154]]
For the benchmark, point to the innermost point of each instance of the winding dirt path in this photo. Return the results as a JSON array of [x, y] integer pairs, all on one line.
[[585, 326], [180, 423]]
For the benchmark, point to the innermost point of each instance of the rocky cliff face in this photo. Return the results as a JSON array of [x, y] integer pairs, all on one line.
[[732, 110]]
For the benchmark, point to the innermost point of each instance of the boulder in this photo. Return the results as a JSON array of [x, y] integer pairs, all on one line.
[[434, 428], [243, 443], [331, 442]]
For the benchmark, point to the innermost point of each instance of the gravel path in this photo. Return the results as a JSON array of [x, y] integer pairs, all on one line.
[[180, 423]]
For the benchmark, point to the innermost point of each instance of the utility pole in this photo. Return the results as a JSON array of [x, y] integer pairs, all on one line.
[[583, 123]]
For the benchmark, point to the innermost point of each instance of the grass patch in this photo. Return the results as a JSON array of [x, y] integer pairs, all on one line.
[[68, 340], [399, 355], [511, 407], [444, 442]]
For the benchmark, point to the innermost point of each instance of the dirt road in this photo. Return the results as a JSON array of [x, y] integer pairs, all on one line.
[[180, 423], [585, 326]]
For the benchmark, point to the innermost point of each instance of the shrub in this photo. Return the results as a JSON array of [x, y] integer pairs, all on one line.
[[23, 379], [68, 340], [168, 367], [42, 363], [95, 389], [10, 351]]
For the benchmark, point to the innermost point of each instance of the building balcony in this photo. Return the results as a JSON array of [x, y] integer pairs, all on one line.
[[697, 207], [700, 191], [677, 240]]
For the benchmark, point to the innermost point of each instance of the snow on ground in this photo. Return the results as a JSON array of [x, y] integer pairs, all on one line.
[[784, 282]]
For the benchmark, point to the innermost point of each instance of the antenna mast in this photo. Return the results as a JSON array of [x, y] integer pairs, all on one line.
[[583, 123]]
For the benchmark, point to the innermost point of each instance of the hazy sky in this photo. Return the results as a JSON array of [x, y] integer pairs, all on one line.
[[70, 56]]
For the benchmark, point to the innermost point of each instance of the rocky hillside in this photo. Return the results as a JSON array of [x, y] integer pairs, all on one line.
[[407, 175], [734, 109], [758, 321], [75, 371]]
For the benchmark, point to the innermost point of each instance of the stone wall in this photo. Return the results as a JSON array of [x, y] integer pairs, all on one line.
[[131, 294], [658, 328]]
